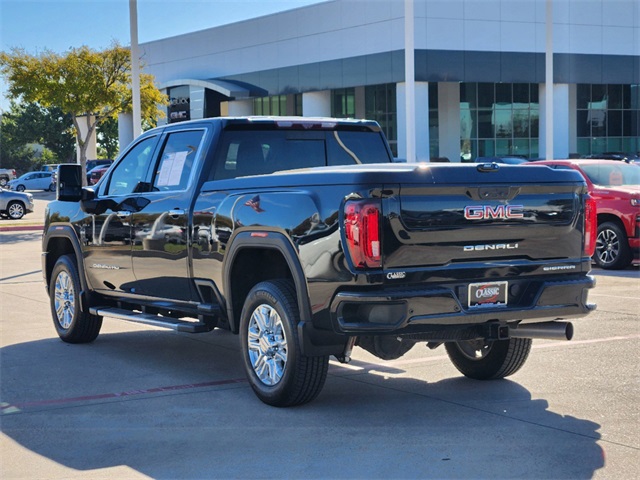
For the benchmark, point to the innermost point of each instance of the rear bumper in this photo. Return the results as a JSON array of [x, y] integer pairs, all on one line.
[[416, 309]]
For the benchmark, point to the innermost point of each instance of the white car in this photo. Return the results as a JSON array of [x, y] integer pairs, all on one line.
[[15, 205], [33, 181]]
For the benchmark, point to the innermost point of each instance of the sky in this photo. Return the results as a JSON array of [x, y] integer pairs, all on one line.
[[59, 25]]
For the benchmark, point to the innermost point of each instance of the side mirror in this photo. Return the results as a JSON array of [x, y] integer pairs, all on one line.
[[69, 188]]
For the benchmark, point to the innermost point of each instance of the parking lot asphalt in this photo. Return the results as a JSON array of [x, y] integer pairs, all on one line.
[[142, 402]]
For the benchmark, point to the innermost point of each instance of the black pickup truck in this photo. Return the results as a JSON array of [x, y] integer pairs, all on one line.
[[303, 237]]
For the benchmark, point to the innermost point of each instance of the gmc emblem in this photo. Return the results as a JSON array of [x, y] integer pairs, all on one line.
[[485, 212]]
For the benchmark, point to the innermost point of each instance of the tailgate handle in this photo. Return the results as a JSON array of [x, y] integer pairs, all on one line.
[[488, 167]]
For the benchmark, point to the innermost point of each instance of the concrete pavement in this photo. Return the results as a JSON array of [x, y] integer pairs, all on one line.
[[142, 402]]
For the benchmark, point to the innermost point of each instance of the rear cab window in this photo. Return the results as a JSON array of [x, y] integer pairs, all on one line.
[[245, 152]]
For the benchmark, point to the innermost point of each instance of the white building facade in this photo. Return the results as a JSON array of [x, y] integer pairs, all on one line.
[[479, 72]]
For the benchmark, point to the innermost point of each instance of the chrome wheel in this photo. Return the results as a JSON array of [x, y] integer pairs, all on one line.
[[474, 349], [15, 211], [267, 345], [64, 300], [607, 246]]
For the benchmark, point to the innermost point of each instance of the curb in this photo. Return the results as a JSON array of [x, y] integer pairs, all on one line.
[[21, 228]]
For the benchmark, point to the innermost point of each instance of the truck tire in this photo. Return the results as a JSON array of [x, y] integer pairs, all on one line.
[[489, 359], [3, 181], [612, 247], [15, 210], [278, 372], [72, 324]]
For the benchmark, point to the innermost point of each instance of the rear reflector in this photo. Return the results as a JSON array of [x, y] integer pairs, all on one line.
[[362, 231], [590, 226]]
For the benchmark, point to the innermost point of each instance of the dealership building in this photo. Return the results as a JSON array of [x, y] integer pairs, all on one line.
[[443, 78]]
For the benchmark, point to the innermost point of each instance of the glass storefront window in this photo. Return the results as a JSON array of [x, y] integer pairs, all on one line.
[[343, 103], [275, 105], [380, 105], [504, 120], [607, 118]]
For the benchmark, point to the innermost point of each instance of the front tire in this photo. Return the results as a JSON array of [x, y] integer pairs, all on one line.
[[278, 372], [612, 247], [15, 210], [489, 359], [20, 188], [72, 324]]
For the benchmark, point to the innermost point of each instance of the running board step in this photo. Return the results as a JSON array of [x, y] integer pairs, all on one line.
[[154, 320]]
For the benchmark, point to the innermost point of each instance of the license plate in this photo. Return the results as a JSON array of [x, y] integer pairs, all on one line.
[[488, 294]]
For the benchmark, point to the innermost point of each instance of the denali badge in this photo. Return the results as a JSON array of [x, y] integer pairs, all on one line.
[[492, 246], [484, 212]]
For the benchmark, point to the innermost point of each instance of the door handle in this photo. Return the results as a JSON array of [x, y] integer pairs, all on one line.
[[123, 214], [176, 212]]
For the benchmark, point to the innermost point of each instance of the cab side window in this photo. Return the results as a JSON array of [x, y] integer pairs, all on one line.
[[132, 169], [177, 160]]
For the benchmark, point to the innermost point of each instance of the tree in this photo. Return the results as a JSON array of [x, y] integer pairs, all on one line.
[[30, 123], [94, 85], [108, 139]]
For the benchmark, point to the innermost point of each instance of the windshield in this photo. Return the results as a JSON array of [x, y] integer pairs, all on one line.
[[608, 175]]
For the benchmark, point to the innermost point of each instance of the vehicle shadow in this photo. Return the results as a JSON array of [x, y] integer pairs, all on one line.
[[19, 237], [175, 406]]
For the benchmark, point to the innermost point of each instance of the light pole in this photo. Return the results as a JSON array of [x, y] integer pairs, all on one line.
[[135, 68]]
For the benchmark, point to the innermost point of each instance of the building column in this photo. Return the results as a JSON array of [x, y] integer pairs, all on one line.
[[236, 108], [165, 108], [316, 104], [422, 121], [196, 102], [125, 130], [561, 120], [92, 147], [449, 120]]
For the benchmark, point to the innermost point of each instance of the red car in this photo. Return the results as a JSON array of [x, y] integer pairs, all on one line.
[[96, 174], [615, 186]]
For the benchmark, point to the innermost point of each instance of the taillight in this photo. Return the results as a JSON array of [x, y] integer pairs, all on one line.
[[362, 230], [590, 226]]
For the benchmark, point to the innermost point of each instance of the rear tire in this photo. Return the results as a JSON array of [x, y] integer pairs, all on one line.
[[489, 359], [278, 372], [72, 324], [612, 247]]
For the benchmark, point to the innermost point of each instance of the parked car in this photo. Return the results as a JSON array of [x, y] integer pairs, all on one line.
[[6, 174], [15, 205], [33, 181], [92, 164], [96, 174], [624, 157], [615, 186], [506, 160], [51, 167]]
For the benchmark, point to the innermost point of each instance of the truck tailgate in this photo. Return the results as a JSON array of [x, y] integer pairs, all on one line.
[[465, 214]]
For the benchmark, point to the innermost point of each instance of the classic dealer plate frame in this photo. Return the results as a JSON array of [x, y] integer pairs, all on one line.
[[488, 294]]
